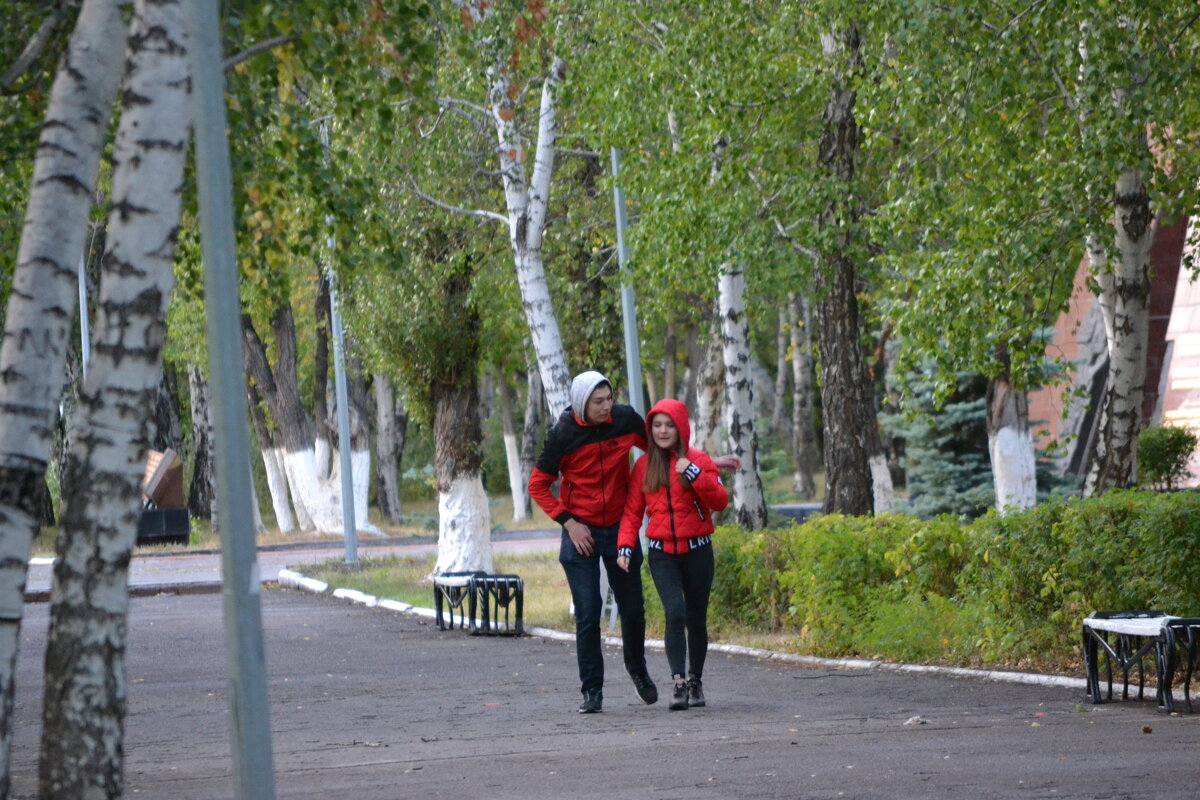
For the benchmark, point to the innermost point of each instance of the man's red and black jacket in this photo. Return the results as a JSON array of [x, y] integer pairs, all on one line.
[[593, 461]]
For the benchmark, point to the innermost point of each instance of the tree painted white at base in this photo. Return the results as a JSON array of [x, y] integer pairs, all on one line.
[[314, 498], [277, 485], [464, 527], [360, 467], [1013, 469], [882, 490]]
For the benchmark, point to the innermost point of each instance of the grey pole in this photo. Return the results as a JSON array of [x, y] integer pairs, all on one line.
[[633, 351], [343, 418], [250, 727], [349, 528]]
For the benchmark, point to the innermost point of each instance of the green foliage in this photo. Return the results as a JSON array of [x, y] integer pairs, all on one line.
[[1163, 454], [1002, 589]]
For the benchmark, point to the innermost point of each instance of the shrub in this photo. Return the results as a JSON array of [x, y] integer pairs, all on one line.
[[1163, 453]]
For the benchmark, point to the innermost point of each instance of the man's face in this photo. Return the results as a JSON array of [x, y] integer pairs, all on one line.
[[599, 405]]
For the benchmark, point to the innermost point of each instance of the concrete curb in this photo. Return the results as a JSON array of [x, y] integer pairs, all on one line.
[[295, 580]]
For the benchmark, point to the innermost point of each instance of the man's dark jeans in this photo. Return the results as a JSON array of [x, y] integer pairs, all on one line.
[[583, 576]]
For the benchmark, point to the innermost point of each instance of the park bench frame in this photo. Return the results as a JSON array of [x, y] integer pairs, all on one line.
[[479, 597], [1126, 638]]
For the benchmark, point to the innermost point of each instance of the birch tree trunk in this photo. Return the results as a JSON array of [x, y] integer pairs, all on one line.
[[1125, 298], [202, 494], [83, 715], [386, 436], [805, 453], [779, 418], [749, 503], [529, 433], [857, 480], [512, 455], [1010, 447], [710, 388], [37, 323], [526, 202]]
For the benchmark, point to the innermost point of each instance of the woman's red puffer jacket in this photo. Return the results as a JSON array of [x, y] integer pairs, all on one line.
[[681, 510]]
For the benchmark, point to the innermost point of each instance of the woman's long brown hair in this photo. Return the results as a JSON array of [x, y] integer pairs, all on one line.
[[658, 464]]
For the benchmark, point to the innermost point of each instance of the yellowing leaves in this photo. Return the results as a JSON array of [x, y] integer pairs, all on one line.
[[505, 113]]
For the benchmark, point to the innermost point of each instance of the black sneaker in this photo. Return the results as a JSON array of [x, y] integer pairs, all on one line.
[[645, 687], [695, 692], [679, 700], [593, 699]]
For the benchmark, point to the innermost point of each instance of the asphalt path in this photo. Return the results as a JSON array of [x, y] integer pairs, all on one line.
[[369, 703]]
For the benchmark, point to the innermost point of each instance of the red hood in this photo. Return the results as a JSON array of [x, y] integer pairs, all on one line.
[[677, 411]]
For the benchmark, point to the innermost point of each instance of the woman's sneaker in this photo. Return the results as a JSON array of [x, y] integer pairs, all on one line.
[[593, 700], [644, 686], [679, 700], [695, 692]]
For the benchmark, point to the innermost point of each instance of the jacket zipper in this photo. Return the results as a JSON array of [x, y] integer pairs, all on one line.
[[671, 513], [603, 485]]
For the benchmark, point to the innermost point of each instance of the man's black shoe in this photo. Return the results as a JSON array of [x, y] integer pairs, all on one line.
[[695, 692], [593, 699], [645, 687]]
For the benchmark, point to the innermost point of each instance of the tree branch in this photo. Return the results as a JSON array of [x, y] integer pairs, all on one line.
[[37, 43], [470, 212], [253, 50]]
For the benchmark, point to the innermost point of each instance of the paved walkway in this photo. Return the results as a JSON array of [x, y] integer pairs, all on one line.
[[371, 704]]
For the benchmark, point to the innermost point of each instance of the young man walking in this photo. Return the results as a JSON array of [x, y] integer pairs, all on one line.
[[588, 447]]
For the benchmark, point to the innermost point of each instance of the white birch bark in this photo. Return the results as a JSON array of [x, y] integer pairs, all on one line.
[[779, 418], [277, 486], [40, 306], [464, 522], [526, 202], [710, 389], [748, 501], [82, 753], [804, 437], [512, 455], [1114, 460]]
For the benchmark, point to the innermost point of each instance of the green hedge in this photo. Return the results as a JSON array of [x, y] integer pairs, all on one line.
[[1002, 590]]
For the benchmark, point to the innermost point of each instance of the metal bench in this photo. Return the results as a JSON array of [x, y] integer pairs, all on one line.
[[496, 592], [480, 597], [451, 590], [1126, 638]]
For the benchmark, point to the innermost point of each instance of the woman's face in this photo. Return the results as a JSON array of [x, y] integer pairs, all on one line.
[[664, 432]]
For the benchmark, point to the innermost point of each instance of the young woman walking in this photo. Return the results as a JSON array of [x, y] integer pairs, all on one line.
[[679, 488]]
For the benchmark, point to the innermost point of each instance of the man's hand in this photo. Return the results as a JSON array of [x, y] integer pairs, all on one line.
[[728, 462], [581, 537], [623, 562]]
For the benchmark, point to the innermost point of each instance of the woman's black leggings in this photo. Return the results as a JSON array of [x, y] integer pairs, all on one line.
[[684, 582]]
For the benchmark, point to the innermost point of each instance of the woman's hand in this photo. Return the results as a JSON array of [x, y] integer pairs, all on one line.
[[623, 562], [681, 464]]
